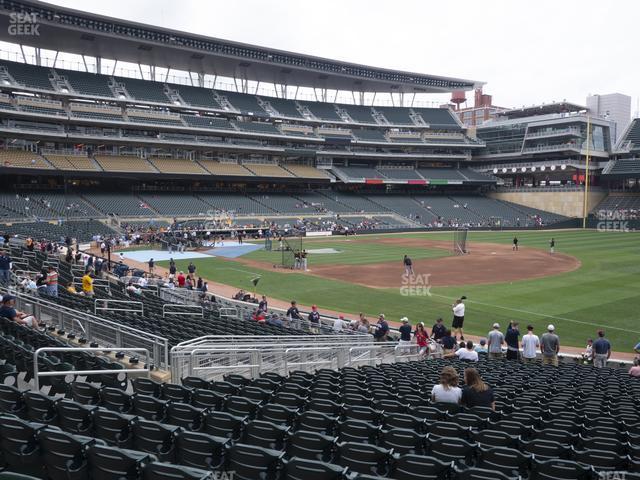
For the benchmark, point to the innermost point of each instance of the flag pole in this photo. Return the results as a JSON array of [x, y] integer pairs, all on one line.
[[585, 207]]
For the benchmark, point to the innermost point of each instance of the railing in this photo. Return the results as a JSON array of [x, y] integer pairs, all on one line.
[[105, 332], [212, 357], [180, 309], [37, 373], [108, 305]]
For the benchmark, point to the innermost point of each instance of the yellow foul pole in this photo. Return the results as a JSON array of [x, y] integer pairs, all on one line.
[[585, 204]]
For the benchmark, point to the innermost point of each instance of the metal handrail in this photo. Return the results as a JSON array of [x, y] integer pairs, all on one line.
[[107, 301], [161, 344], [198, 310], [37, 374]]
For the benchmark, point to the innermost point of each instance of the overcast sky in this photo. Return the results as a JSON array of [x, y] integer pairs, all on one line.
[[528, 52]]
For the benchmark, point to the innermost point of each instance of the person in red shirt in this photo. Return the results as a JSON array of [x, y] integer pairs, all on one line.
[[181, 280], [421, 337]]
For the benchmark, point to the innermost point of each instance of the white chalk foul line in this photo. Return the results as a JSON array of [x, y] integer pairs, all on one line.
[[544, 315]]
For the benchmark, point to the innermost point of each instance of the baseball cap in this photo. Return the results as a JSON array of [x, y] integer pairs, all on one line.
[[551, 328], [313, 307], [8, 298], [404, 319], [483, 341], [341, 317], [496, 325], [381, 315]]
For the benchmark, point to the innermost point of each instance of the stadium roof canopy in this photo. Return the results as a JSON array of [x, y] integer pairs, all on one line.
[[73, 31], [545, 109]]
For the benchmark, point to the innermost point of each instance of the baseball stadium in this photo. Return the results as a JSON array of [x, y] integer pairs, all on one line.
[[226, 261]]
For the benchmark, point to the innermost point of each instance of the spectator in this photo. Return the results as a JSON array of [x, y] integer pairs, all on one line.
[[601, 351], [447, 391], [467, 353], [338, 324], [637, 348], [199, 283], [8, 310], [482, 348], [421, 338], [439, 330], [182, 280], [405, 335], [87, 285], [263, 305], [293, 314], [274, 319], [72, 289], [52, 282], [382, 329], [587, 355], [635, 370], [458, 317], [172, 269], [132, 290], [41, 282], [496, 339], [530, 345], [314, 319], [550, 346], [5, 268], [511, 339], [29, 285], [476, 393], [363, 325], [448, 343]]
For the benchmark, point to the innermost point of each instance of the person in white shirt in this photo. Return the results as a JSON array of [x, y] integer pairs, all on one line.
[[467, 353], [530, 345], [447, 391], [142, 282], [339, 324], [458, 317]]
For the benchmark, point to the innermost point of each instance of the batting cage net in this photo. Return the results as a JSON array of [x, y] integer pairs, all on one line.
[[291, 248], [460, 241]]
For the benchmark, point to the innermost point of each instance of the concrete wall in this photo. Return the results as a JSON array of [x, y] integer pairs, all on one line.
[[568, 204]]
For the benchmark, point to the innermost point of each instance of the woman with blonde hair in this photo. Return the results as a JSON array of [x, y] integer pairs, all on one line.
[[475, 392], [447, 391]]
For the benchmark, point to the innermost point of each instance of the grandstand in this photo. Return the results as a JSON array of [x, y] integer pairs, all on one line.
[[184, 383]]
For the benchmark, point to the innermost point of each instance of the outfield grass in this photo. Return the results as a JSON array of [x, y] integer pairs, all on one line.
[[603, 292]]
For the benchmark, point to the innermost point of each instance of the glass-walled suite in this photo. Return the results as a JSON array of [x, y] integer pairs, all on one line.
[[502, 138]]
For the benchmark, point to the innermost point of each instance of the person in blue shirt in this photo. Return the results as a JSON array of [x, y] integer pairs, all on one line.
[[601, 351], [5, 268]]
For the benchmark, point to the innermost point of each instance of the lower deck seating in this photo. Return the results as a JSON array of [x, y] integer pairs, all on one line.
[[571, 422]]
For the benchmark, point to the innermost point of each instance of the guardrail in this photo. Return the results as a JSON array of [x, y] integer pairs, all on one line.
[[37, 373], [182, 310], [104, 305], [213, 357], [107, 333]]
